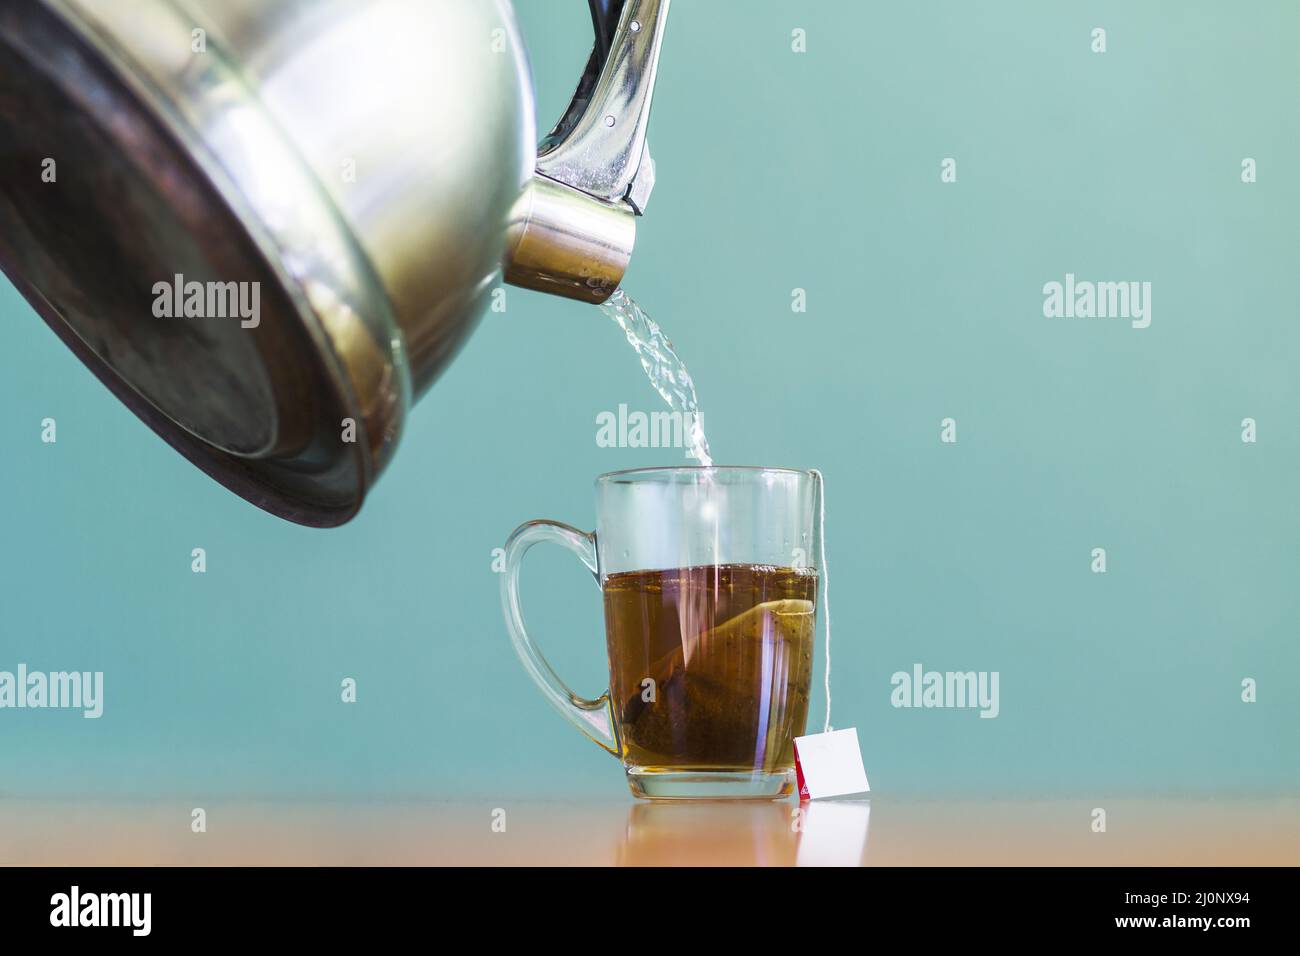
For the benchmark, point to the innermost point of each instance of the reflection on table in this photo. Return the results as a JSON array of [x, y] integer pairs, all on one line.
[[752, 834]]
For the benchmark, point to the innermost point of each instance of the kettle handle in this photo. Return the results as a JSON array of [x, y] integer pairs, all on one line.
[[599, 145], [572, 230]]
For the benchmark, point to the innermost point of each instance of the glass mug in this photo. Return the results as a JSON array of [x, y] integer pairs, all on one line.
[[709, 577]]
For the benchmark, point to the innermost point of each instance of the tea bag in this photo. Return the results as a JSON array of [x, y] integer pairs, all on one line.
[[706, 685]]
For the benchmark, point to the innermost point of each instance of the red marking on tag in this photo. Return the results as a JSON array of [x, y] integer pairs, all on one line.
[[798, 770]]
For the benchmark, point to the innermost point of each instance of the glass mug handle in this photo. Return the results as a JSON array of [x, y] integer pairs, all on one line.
[[595, 718]]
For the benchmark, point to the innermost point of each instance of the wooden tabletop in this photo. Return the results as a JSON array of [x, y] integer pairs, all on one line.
[[884, 830]]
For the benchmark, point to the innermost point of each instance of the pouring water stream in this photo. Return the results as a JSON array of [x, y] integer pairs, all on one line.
[[662, 366]]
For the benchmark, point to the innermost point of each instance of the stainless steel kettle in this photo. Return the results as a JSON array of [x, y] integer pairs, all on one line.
[[369, 169]]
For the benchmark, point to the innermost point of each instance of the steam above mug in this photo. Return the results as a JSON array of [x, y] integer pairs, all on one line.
[[367, 169]]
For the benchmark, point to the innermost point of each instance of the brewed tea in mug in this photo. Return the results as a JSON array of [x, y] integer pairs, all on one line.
[[709, 582], [710, 666]]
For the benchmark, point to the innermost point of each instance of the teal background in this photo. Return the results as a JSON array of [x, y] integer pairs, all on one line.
[[776, 170]]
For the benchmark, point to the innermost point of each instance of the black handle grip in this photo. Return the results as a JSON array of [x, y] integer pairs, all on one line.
[[604, 20]]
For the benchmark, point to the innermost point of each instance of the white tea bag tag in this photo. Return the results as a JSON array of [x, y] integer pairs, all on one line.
[[829, 765]]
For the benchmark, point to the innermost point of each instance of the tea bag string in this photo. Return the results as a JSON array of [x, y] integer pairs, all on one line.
[[826, 587]]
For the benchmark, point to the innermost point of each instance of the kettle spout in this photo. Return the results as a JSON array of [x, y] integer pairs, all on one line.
[[566, 242]]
